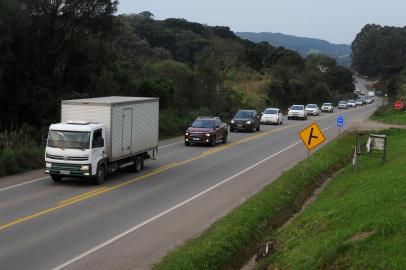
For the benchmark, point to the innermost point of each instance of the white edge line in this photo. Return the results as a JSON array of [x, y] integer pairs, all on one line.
[[117, 237], [25, 183]]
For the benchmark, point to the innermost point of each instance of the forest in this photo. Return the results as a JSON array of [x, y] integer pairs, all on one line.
[[380, 52], [66, 49]]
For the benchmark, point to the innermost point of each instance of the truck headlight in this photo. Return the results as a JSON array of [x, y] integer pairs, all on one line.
[[207, 134], [248, 122], [232, 121], [48, 165], [84, 167]]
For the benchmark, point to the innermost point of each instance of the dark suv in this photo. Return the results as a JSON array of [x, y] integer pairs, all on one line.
[[206, 130], [245, 120]]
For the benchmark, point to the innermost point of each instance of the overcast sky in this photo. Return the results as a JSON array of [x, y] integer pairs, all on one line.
[[337, 21]]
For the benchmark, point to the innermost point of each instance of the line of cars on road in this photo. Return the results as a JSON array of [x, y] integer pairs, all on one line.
[[352, 103], [212, 130]]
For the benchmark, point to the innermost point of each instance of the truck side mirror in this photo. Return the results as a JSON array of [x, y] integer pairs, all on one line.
[[44, 140]]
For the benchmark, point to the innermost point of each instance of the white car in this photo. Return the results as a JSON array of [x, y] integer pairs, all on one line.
[[327, 107], [297, 111], [342, 104], [272, 116], [312, 109], [351, 103]]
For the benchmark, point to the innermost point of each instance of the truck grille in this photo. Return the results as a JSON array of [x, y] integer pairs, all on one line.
[[84, 158]]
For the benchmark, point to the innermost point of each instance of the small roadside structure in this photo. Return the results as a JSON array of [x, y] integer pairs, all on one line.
[[376, 146]]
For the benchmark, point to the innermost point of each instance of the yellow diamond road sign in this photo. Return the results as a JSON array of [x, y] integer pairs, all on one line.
[[312, 136]]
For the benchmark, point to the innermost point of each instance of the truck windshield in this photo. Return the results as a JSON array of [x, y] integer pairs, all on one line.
[[69, 139]]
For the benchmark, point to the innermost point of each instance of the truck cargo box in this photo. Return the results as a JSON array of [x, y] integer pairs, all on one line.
[[131, 123]]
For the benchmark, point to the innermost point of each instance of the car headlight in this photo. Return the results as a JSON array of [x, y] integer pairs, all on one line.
[[248, 122], [84, 167], [232, 121], [48, 165], [187, 134], [207, 134]]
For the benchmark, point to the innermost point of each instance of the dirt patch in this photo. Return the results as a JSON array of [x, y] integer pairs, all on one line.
[[360, 236]]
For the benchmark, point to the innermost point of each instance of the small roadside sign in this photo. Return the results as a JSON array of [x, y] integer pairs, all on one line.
[[340, 121], [399, 105], [312, 136]]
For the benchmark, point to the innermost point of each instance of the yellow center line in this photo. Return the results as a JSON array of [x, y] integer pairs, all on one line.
[[159, 170], [82, 195]]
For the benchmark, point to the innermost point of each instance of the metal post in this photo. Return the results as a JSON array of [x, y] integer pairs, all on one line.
[[306, 161]]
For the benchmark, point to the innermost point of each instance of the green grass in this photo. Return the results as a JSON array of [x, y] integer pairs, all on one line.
[[230, 242], [387, 114], [358, 221], [19, 152]]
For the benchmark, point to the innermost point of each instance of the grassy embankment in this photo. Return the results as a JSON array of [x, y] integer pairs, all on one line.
[[357, 222], [18, 152], [387, 114], [231, 241]]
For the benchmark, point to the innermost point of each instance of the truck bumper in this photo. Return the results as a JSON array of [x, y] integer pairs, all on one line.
[[69, 170]]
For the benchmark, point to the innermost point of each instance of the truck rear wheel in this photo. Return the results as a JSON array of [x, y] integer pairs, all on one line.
[[139, 163], [56, 178], [100, 175]]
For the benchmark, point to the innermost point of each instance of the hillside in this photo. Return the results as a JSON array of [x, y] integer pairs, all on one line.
[[303, 45]]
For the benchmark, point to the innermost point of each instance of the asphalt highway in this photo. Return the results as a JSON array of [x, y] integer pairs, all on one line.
[[133, 220]]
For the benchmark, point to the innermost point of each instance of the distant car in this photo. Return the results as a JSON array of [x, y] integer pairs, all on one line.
[[272, 116], [342, 104], [206, 130], [327, 107], [364, 101], [368, 100], [357, 91], [247, 120], [351, 103], [359, 102], [297, 111], [373, 99], [312, 109]]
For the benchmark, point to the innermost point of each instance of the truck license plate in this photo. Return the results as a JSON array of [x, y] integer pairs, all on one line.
[[64, 172]]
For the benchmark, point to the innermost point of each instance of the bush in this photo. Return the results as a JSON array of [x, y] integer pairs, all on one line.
[[18, 152]]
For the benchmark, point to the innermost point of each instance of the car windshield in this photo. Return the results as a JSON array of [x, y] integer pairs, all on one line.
[[244, 114], [311, 106], [271, 111], [351, 101], [297, 107], [203, 123], [326, 104], [343, 102], [69, 139]]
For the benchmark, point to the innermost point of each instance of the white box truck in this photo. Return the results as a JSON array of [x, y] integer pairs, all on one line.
[[98, 136]]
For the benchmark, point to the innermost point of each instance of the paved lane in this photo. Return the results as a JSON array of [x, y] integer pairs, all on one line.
[[46, 224]]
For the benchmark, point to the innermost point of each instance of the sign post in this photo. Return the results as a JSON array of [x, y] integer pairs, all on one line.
[[311, 137], [340, 123]]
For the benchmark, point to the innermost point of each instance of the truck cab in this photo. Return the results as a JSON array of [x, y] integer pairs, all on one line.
[[75, 149]]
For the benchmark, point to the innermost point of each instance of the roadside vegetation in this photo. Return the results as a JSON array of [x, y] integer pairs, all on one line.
[[54, 50], [18, 152], [387, 114], [230, 242], [357, 222]]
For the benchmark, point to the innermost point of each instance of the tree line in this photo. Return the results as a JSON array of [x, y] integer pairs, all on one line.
[[66, 49], [380, 51]]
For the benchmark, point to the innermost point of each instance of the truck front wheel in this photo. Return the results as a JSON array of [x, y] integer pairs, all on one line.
[[100, 175], [56, 178]]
